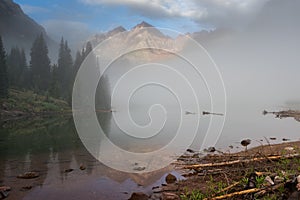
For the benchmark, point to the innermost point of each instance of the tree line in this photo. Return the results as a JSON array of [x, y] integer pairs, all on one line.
[[40, 75]]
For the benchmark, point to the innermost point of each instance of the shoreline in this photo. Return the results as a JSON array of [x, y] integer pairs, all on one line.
[[227, 175]]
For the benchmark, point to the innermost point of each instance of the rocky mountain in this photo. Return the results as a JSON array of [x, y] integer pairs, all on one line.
[[98, 38], [18, 29], [142, 36]]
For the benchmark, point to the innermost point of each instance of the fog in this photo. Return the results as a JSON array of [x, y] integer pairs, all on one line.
[[260, 67], [238, 73]]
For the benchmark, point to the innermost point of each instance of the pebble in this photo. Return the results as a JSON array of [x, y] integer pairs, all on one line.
[[26, 188], [28, 175], [211, 149], [269, 180], [68, 170], [4, 191], [82, 167], [170, 178], [278, 179], [289, 148], [139, 168], [170, 196], [190, 151], [157, 190]]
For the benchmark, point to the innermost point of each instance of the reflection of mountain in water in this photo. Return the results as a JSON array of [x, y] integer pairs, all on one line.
[[50, 146]]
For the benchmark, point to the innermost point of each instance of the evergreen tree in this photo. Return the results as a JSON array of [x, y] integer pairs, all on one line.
[[78, 61], [88, 49], [16, 62], [25, 75], [65, 70], [54, 85], [40, 64], [3, 72]]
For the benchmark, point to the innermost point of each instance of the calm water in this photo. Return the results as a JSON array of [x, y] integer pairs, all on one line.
[[50, 146]]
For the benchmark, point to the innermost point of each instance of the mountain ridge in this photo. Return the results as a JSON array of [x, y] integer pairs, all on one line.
[[18, 29]]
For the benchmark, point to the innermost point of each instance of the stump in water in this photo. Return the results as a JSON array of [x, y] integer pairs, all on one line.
[[245, 143]]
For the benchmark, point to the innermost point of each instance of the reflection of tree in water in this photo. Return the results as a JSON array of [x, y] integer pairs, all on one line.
[[26, 145], [103, 103]]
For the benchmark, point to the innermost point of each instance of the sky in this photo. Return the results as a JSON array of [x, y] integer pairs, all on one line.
[[86, 17]]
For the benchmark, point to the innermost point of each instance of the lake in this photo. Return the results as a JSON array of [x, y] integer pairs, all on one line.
[[51, 146]]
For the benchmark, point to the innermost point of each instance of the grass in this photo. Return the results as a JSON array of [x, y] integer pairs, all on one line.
[[30, 102], [212, 185]]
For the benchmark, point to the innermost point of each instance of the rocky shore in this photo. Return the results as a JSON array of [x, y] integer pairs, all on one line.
[[264, 172]]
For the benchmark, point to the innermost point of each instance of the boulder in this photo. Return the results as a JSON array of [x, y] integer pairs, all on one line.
[[138, 196], [170, 178]]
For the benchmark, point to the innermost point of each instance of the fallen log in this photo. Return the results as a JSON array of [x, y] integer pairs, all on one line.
[[249, 191], [228, 187], [225, 163]]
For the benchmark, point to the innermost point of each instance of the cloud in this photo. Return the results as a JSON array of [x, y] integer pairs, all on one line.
[[213, 12], [28, 9], [75, 32]]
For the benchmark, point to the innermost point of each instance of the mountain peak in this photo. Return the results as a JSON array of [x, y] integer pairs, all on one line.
[[116, 30], [143, 24]]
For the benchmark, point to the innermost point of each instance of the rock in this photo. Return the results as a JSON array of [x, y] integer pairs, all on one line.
[[278, 179], [138, 196], [5, 188], [82, 167], [68, 170], [245, 142], [139, 168], [170, 188], [156, 196], [170, 196], [289, 148], [269, 180], [4, 191], [157, 190], [190, 151], [29, 175], [3, 194], [211, 149], [285, 139], [170, 178], [273, 138], [26, 188]]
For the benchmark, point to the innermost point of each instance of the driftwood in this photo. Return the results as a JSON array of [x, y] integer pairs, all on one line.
[[249, 191], [211, 113], [228, 187], [284, 114], [275, 187], [225, 163]]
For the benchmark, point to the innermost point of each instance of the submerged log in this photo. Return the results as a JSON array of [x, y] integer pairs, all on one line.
[[211, 113], [285, 114]]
